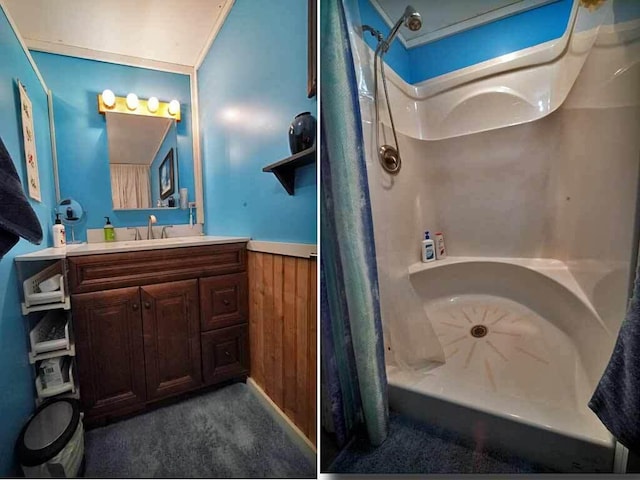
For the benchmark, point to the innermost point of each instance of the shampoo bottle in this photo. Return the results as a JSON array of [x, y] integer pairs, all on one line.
[[58, 233], [441, 252], [109, 231], [428, 248]]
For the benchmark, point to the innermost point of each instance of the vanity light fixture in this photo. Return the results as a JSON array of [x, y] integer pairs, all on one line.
[[109, 98], [174, 107], [132, 101], [153, 104], [108, 102]]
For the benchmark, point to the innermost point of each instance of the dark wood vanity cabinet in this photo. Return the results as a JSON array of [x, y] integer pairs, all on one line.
[[151, 339], [224, 301], [109, 349], [171, 329], [224, 312]]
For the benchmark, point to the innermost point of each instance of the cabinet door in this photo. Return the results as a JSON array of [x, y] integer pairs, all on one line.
[[223, 301], [108, 336], [225, 353], [171, 337]]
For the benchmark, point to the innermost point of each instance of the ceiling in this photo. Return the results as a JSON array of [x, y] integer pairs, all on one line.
[[441, 18], [138, 149], [168, 31]]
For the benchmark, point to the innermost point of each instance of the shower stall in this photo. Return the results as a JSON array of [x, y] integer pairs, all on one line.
[[529, 165]]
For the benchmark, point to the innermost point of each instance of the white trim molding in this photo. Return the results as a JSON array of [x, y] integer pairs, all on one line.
[[24, 47], [293, 432], [198, 178], [214, 32], [302, 250], [107, 57]]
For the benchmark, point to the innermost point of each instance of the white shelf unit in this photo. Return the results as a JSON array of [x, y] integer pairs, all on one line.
[[69, 387], [36, 300], [43, 343], [36, 357], [51, 337]]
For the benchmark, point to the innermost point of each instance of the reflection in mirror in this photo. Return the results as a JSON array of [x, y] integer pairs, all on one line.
[[143, 161], [71, 214]]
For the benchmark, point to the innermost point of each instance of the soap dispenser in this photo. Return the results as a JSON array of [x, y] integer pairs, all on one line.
[[109, 231], [59, 240], [428, 248]]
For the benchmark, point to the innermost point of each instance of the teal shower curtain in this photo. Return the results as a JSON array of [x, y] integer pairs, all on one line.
[[352, 344]]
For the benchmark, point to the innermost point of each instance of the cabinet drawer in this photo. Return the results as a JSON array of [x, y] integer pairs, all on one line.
[[223, 301], [116, 270], [225, 353]]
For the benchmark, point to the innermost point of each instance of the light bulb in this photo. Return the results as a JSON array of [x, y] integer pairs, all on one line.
[[174, 107], [108, 98], [132, 101], [153, 104]]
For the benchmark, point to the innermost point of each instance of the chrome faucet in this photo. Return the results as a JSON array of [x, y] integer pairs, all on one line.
[[137, 234], [164, 231], [152, 220]]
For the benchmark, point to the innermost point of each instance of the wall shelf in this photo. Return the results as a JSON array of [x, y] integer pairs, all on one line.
[[285, 170]]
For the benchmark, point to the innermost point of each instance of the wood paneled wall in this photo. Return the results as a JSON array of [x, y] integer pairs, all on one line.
[[282, 319]]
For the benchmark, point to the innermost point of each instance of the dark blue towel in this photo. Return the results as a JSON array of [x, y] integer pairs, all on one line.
[[616, 400], [17, 218]]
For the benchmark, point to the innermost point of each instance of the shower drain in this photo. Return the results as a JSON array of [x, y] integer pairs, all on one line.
[[479, 331]]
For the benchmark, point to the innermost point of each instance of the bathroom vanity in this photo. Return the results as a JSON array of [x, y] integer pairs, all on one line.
[[156, 319]]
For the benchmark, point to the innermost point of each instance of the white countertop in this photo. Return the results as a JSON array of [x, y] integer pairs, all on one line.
[[127, 246]]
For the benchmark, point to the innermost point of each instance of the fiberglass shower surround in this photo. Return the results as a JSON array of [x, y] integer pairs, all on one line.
[[521, 166]]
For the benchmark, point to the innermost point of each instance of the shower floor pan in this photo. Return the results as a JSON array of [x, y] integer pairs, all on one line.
[[512, 380]]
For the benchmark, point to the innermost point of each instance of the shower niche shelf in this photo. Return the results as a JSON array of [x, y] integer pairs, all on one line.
[[285, 170]]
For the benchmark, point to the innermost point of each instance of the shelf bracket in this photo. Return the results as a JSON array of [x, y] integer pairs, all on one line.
[[285, 170]]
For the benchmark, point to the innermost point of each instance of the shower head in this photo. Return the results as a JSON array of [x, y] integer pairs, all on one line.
[[410, 18], [413, 20]]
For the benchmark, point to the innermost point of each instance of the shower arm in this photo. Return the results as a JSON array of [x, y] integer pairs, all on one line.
[[386, 43]]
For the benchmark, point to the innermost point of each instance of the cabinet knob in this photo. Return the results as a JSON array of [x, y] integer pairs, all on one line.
[[134, 306], [227, 353], [226, 302], [147, 305]]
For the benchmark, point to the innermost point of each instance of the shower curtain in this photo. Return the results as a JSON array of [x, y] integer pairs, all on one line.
[[130, 186], [352, 349], [410, 340]]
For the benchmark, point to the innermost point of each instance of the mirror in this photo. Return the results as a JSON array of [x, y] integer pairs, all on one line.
[[143, 161], [71, 214]]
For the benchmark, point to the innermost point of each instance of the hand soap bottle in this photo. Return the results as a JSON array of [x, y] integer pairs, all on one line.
[[59, 240], [428, 248], [109, 231]]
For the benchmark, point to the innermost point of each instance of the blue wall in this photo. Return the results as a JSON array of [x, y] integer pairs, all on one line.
[[16, 400], [154, 173], [81, 132], [251, 85], [473, 46]]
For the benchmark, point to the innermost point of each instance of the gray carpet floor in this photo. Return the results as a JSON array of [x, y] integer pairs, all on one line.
[[413, 447], [226, 433]]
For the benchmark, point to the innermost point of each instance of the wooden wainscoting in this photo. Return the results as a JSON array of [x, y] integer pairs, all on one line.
[[282, 322]]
